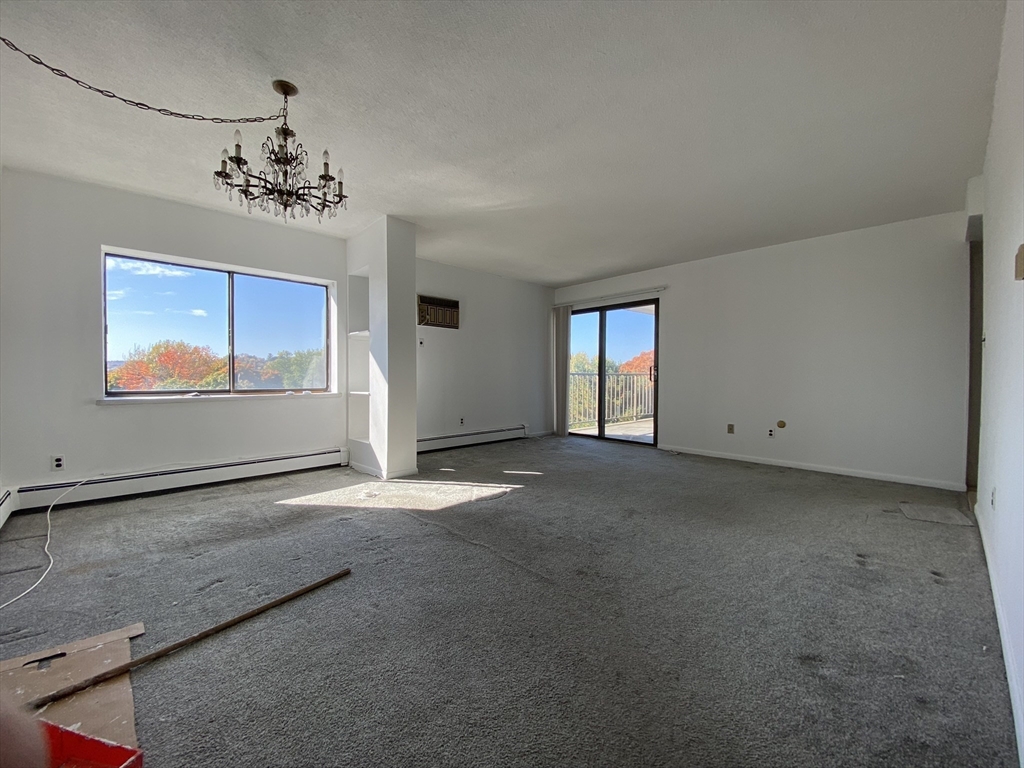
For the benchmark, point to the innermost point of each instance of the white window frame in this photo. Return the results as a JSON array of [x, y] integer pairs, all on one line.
[[107, 397]]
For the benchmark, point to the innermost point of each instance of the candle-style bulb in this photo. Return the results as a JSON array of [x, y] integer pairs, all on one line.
[[224, 154], [327, 156], [340, 174], [238, 138]]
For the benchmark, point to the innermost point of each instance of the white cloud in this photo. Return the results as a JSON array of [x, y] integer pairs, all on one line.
[[146, 268], [115, 295], [193, 312], [165, 293]]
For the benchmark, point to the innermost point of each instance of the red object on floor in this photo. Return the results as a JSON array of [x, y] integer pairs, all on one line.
[[69, 749]]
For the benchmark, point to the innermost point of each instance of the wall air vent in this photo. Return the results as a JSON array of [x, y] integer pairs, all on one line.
[[440, 313]]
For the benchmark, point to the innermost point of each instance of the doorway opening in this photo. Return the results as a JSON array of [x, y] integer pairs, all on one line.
[[613, 372]]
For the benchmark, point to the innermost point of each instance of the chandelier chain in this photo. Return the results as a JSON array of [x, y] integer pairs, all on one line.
[[138, 104]]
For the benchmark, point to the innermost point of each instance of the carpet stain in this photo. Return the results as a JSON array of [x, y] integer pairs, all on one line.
[[21, 570], [212, 584], [18, 634]]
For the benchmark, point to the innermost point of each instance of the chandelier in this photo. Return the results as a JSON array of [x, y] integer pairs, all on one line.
[[282, 186]]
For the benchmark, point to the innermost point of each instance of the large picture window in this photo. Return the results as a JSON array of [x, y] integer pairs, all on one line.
[[176, 328]]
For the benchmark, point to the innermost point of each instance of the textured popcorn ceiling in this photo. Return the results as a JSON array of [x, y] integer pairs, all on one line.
[[550, 141]]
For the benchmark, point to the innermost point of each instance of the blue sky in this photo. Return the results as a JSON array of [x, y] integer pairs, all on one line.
[[276, 315], [150, 301], [629, 334]]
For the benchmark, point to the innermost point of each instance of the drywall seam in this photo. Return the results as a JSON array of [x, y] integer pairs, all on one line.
[[821, 468], [1009, 660]]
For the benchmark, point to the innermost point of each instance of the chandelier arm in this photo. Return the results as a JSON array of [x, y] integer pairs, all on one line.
[[265, 188]]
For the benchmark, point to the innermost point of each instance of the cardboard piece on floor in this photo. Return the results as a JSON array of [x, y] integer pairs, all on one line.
[[106, 711]]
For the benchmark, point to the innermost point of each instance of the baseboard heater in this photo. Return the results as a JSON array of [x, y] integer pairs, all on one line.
[[32, 496], [5, 508], [470, 438]]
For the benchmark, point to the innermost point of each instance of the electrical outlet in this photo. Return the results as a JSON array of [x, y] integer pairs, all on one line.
[[56, 463], [730, 429], [462, 422], [771, 433], [992, 501]]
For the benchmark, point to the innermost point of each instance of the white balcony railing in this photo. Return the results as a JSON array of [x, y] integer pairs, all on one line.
[[628, 397]]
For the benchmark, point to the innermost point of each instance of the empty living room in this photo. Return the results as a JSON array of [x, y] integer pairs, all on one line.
[[512, 383]]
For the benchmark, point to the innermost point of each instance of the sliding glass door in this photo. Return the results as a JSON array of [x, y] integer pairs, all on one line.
[[613, 372]]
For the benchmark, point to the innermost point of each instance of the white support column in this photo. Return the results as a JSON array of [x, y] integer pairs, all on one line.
[[401, 287], [382, 355]]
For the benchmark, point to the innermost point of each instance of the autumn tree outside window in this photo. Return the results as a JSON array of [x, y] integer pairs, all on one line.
[[178, 328]]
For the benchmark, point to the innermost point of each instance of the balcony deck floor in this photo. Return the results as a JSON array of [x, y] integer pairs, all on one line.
[[640, 431]]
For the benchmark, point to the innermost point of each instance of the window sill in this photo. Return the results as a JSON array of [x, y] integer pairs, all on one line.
[[145, 399]]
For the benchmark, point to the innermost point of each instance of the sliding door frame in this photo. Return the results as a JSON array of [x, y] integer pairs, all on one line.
[[602, 357]]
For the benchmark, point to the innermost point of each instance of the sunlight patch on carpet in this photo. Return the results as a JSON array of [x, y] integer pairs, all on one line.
[[420, 495]]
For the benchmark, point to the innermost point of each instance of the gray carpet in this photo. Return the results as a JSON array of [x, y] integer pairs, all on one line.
[[624, 607]]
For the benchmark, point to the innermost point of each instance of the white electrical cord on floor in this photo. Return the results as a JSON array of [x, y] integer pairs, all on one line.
[[46, 548]]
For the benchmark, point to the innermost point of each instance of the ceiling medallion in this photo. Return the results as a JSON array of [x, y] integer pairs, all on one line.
[[281, 186]]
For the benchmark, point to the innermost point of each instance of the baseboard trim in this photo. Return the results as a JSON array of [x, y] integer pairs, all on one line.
[[1011, 663], [478, 437], [820, 468], [393, 475], [366, 469], [127, 484]]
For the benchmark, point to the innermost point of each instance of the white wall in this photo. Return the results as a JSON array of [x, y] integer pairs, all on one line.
[[495, 370], [51, 342], [858, 341], [1001, 454]]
